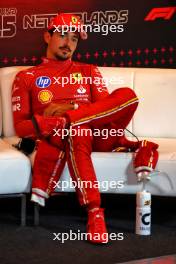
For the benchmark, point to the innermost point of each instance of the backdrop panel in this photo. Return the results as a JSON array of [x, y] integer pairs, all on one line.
[[148, 38]]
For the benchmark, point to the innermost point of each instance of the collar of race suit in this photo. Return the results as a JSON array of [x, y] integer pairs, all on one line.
[[58, 63]]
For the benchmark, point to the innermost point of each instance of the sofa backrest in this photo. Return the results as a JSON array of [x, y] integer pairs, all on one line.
[[156, 114], [156, 89], [7, 76], [0, 115]]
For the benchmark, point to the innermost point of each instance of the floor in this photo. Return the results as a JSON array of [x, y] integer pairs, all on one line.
[[62, 215]]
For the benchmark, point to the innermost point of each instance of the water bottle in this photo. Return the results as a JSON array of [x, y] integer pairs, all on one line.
[[143, 213]]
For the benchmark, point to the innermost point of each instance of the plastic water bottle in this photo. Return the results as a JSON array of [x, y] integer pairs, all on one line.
[[143, 203], [143, 213]]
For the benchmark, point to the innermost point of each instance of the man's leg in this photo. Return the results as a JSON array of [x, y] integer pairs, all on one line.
[[79, 150], [119, 107], [48, 166], [82, 172], [80, 147], [116, 107]]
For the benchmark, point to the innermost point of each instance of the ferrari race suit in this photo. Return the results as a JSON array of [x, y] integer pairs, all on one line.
[[35, 88]]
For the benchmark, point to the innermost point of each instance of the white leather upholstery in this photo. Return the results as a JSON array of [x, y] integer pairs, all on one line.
[[7, 76], [15, 170], [0, 115], [155, 116], [15, 167], [154, 119], [117, 78], [118, 167]]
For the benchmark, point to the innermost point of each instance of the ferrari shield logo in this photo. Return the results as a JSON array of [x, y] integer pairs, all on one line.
[[74, 20], [77, 76]]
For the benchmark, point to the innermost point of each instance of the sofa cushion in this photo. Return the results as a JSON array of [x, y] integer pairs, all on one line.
[[112, 167], [15, 172], [117, 167]]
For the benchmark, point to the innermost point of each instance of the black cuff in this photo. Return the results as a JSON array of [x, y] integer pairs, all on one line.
[[26, 145]]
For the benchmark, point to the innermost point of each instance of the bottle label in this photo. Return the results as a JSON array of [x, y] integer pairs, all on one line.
[[143, 221]]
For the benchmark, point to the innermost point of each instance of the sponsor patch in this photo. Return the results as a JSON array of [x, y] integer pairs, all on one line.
[[81, 90], [16, 107], [16, 99], [43, 81], [30, 73], [45, 96]]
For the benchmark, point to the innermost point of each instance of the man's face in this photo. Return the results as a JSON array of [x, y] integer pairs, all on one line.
[[61, 46]]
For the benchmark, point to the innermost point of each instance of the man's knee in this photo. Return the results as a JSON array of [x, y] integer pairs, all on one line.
[[81, 138], [125, 92]]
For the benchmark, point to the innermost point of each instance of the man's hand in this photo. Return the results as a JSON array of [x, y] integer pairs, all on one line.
[[45, 125], [57, 109]]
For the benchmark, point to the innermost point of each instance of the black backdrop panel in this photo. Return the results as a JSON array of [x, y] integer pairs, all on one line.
[[148, 38]]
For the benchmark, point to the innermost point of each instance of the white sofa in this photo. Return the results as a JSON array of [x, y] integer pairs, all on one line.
[[155, 119], [15, 167]]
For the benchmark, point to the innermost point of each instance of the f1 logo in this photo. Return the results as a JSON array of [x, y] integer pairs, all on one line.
[[162, 12]]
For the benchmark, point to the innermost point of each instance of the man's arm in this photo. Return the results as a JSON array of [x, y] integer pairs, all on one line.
[[58, 109], [26, 123]]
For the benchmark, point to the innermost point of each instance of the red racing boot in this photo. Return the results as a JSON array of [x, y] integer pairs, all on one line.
[[96, 227]]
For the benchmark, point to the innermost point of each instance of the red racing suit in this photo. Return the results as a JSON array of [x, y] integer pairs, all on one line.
[[62, 82]]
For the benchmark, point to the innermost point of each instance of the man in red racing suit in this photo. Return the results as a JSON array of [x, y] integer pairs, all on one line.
[[45, 103]]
